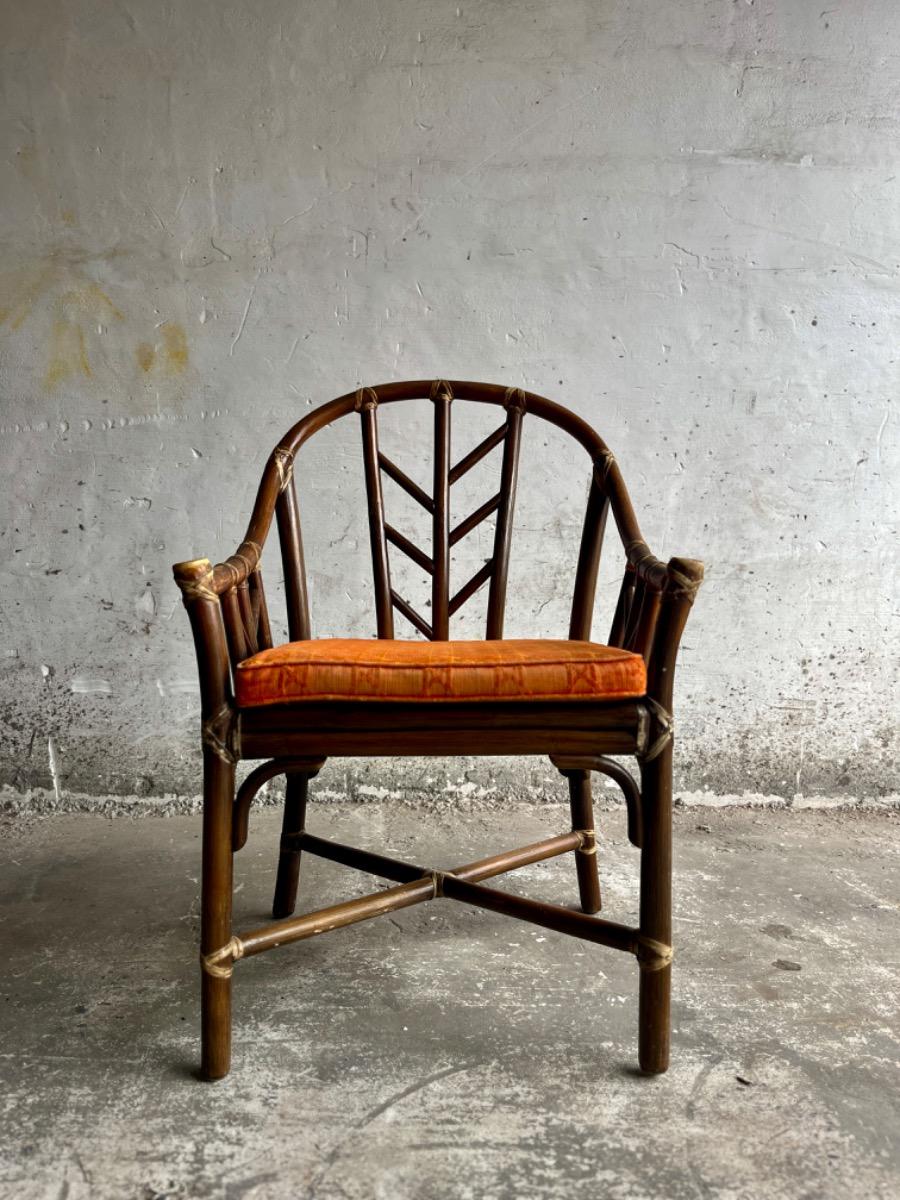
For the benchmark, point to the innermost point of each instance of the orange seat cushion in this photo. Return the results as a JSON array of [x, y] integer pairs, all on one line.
[[368, 669]]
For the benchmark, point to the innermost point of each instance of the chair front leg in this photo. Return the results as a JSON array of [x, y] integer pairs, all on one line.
[[215, 927], [582, 809], [656, 911], [296, 792]]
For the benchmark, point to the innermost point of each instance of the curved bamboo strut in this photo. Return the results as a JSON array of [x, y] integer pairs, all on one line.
[[565, 763], [257, 778], [279, 469]]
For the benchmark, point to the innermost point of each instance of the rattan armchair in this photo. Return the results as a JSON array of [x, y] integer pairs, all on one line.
[[579, 702]]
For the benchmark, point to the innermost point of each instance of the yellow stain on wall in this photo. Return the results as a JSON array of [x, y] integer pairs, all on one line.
[[175, 347], [24, 289], [68, 355], [80, 309], [91, 300], [170, 354], [86, 303]]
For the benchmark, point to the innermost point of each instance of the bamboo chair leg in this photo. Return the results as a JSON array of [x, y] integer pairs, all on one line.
[[296, 789], [656, 910], [582, 809], [215, 920]]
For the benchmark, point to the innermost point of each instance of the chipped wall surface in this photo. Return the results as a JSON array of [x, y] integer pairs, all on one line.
[[680, 220]]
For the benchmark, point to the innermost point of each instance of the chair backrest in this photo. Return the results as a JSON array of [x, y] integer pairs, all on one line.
[[239, 583]]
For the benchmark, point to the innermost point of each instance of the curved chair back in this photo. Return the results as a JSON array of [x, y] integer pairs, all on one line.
[[239, 583]]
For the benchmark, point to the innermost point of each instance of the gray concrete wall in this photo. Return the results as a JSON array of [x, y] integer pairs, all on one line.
[[680, 220]]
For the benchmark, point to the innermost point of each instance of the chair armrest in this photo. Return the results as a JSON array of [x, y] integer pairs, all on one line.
[[196, 581], [681, 583], [234, 596], [237, 568], [649, 569]]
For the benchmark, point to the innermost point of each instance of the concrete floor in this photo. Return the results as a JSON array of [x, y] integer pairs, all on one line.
[[445, 1052]]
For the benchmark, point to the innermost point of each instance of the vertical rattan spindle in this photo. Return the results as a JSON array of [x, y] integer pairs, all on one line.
[[384, 610], [509, 473], [440, 583], [588, 568], [295, 593]]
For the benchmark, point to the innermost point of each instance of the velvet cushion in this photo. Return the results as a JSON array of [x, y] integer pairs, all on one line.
[[369, 669]]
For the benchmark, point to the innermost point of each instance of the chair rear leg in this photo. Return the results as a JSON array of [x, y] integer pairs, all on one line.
[[215, 917], [296, 790], [582, 809], [656, 910]]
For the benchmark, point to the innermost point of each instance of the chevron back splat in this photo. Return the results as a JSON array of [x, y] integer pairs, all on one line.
[[445, 534]]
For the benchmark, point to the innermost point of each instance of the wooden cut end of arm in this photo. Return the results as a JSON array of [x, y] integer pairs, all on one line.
[[684, 577], [195, 579]]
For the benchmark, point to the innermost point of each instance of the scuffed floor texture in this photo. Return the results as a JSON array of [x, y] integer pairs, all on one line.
[[445, 1052]]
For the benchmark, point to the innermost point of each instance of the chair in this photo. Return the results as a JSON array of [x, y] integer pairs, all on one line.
[[296, 705]]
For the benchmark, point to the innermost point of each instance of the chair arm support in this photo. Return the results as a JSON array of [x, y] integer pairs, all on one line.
[[682, 580], [198, 591]]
